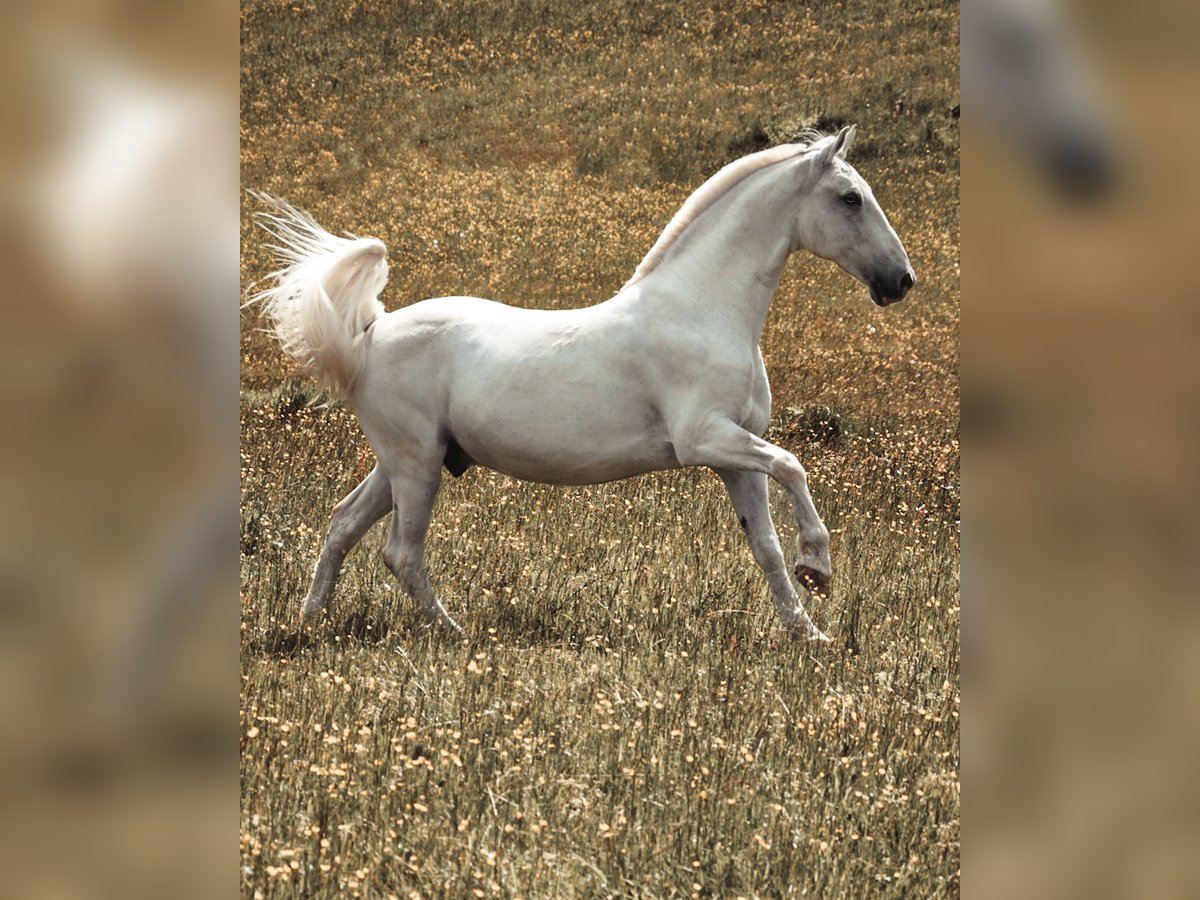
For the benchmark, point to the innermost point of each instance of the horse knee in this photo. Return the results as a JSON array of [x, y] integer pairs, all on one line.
[[789, 471]]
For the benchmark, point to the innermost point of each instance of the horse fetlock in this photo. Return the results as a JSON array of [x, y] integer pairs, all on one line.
[[814, 546]]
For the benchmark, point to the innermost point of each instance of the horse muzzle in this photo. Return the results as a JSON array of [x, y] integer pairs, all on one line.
[[886, 291]]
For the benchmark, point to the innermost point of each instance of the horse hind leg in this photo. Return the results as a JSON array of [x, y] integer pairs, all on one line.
[[352, 519], [412, 500]]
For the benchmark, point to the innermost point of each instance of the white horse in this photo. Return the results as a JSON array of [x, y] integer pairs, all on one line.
[[667, 373]]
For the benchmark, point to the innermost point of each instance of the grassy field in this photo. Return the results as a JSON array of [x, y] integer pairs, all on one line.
[[624, 715]]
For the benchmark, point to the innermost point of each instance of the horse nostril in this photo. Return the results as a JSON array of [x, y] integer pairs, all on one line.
[[907, 280]]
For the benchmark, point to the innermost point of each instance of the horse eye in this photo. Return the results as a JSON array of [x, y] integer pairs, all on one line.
[[853, 199]]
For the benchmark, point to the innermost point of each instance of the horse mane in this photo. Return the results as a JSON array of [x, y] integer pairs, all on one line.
[[713, 189]]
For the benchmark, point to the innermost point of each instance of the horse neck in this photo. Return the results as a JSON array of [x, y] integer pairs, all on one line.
[[728, 262]]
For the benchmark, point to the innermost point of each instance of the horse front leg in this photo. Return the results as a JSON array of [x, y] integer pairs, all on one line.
[[352, 519], [723, 445], [748, 491]]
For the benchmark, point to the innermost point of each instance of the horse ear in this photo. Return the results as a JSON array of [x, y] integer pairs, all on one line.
[[845, 139], [839, 145]]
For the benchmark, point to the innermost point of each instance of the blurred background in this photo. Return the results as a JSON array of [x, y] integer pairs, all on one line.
[[118, 479], [118, 474], [1079, 386]]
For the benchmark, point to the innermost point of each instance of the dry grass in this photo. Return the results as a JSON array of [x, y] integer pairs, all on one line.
[[624, 716]]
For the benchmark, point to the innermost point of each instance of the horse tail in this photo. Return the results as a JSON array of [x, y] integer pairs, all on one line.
[[325, 296]]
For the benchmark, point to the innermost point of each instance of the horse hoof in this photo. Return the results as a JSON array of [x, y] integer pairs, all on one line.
[[443, 622], [814, 582], [807, 631], [309, 614]]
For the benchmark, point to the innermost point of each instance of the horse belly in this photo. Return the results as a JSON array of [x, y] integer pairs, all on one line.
[[557, 441]]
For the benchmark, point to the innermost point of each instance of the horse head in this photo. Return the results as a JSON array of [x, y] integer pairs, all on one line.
[[842, 221]]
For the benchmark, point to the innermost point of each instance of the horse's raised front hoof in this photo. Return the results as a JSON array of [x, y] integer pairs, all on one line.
[[814, 582]]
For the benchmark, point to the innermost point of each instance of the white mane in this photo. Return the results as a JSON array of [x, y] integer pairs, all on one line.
[[709, 192]]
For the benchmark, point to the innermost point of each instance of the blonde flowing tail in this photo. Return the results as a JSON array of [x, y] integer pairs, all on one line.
[[325, 296]]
